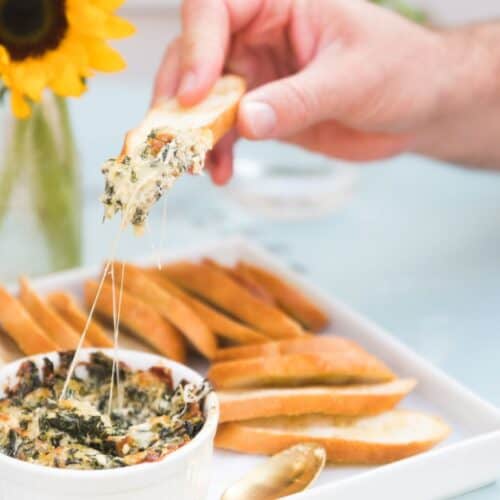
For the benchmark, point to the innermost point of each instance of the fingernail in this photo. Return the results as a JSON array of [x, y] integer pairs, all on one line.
[[188, 83], [259, 117]]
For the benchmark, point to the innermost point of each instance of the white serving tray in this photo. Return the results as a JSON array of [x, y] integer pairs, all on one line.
[[468, 459]]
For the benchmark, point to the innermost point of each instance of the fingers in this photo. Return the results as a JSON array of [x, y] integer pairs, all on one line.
[[205, 39], [220, 161], [168, 75], [286, 106], [207, 26], [336, 140]]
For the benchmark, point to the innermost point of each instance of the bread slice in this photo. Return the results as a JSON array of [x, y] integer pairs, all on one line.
[[245, 280], [299, 369], [311, 344], [47, 318], [21, 328], [140, 319], [220, 324], [354, 400], [214, 286], [288, 296], [139, 284], [380, 439], [216, 114], [71, 312]]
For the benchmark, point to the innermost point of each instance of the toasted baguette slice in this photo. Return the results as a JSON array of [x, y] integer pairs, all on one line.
[[214, 286], [380, 439], [140, 319], [21, 328], [47, 318], [214, 115], [308, 344], [71, 312], [289, 297], [245, 280], [222, 325], [138, 283], [354, 400], [292, 370]]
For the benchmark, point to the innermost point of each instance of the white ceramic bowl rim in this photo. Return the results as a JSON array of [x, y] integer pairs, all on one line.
[[179, 371]]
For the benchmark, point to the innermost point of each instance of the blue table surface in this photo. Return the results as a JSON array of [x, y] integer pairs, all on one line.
[[417, 248]]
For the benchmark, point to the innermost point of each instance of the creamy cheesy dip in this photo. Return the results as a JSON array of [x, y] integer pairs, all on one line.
[[135, 182], [149, 418]]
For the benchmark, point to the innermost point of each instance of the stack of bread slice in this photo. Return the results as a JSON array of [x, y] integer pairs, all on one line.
[[324, 389], [283, 383], [183, 307]]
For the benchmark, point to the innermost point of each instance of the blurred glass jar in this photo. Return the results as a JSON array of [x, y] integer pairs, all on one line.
[[283, 182], [40, 202]]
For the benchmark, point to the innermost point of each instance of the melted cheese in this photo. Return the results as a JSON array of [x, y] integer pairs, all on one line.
[[135, 182], [153, 421]]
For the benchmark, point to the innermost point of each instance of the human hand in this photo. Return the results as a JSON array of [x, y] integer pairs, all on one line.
[[341, 77]]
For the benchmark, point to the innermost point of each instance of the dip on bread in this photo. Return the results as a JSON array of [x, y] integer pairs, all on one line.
[[171, 140]]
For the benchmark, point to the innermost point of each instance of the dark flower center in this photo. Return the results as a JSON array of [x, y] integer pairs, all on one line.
[[31, 27]]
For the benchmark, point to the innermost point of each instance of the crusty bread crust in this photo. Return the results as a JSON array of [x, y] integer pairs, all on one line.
[[216, 287], [21, 328], [333, 345], [215, 115], [351, 447], [289, 297], [352, 400], [139, 319], [67, 307], [138, 283], [228, 85], [299, 369], [245, 280], [47, 318], [220, 324]]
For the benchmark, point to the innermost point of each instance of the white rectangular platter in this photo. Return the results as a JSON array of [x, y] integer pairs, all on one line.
[[468, 459]]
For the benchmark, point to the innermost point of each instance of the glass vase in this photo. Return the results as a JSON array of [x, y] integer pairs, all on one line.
[[40, 200]]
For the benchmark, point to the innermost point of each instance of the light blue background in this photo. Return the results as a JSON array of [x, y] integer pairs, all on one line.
[[417, 248]]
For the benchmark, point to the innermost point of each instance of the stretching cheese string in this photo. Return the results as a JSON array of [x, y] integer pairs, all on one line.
[[115, 369], [73, 364], [163, 230], [109, 267], [116, 309]]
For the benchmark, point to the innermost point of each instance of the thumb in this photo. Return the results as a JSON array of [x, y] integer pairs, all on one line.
[[287, 106]]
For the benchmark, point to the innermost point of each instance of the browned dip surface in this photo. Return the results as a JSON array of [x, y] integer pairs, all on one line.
[[150, 418]]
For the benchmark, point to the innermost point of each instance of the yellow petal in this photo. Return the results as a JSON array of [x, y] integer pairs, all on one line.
[[102, 57], [73, 48], [4, 56], [87, 19], [20, 107], [117, 27], [28, 77], [66, 79], [68, 83], [108, 5]]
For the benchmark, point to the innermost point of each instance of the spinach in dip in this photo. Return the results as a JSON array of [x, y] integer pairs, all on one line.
[[137, 180], [149, 417]]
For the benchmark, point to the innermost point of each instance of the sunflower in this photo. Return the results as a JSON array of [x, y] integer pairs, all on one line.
[[56, 44]]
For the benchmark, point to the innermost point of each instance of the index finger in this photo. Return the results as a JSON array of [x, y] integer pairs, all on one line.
[[204, 43], [207, 26]]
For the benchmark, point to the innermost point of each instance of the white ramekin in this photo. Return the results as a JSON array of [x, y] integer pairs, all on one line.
[[183, 475]]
